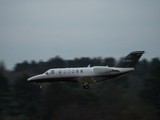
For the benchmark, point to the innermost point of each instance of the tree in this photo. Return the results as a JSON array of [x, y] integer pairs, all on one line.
[[2, 66], [151, 92], [84, 97], [21, 66], [56, 62], [53, 96], [109, 61], [25, 96], [4, 94]]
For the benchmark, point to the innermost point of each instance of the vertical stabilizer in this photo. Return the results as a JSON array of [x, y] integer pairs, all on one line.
[[130, 60]]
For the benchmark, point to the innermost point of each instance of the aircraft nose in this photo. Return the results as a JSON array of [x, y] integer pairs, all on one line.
[[31, 79], [35, 78]]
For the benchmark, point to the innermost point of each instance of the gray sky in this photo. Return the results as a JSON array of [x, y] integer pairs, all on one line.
[[39, 30]]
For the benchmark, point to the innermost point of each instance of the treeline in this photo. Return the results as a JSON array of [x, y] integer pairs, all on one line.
[[133, 96], [58, 62]]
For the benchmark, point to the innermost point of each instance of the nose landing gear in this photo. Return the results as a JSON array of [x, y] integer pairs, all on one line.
[[41, 86]]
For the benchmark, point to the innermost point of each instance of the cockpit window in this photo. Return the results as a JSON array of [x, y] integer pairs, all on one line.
[[49, 72], [46, 72]]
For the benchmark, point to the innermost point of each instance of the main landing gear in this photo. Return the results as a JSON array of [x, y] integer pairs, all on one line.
[[86, 86]]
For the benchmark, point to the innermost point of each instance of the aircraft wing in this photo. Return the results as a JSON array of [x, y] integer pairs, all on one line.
[[86, 79]]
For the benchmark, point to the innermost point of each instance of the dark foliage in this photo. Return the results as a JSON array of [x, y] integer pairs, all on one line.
[[132, 96], [151, 91], [4, 95]]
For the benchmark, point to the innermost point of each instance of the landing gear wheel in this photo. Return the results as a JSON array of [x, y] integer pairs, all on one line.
[[41, 86], [86, 86]]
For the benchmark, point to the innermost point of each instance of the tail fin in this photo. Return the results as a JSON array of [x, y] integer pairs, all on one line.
[[130, 60]]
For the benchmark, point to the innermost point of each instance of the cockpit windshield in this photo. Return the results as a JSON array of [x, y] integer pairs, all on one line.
[[49, 72]]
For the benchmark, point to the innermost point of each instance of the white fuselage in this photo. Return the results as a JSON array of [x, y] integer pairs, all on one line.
[[80, 74]]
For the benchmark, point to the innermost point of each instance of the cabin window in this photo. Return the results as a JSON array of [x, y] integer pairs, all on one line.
[[52, 71], [81, 71], [59, 72], [76, 71], [64, 71], [72, 71]]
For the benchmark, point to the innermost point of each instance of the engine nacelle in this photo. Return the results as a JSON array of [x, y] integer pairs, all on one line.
[[101, 69]]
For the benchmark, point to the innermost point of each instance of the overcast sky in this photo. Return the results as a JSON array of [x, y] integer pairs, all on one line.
[[41, 29]]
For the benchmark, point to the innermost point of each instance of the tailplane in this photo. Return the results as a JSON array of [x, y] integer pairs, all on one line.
[[130, 60]]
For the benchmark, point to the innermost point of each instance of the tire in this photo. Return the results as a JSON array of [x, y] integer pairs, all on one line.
[[86, 86]]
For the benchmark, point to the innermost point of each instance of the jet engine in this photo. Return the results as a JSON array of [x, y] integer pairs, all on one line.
[[101, 69]]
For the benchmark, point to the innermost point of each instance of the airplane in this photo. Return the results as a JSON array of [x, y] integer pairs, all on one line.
[[87, 75]]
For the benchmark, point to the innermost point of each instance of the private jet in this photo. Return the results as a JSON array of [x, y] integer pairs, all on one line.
[[87, 75]]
